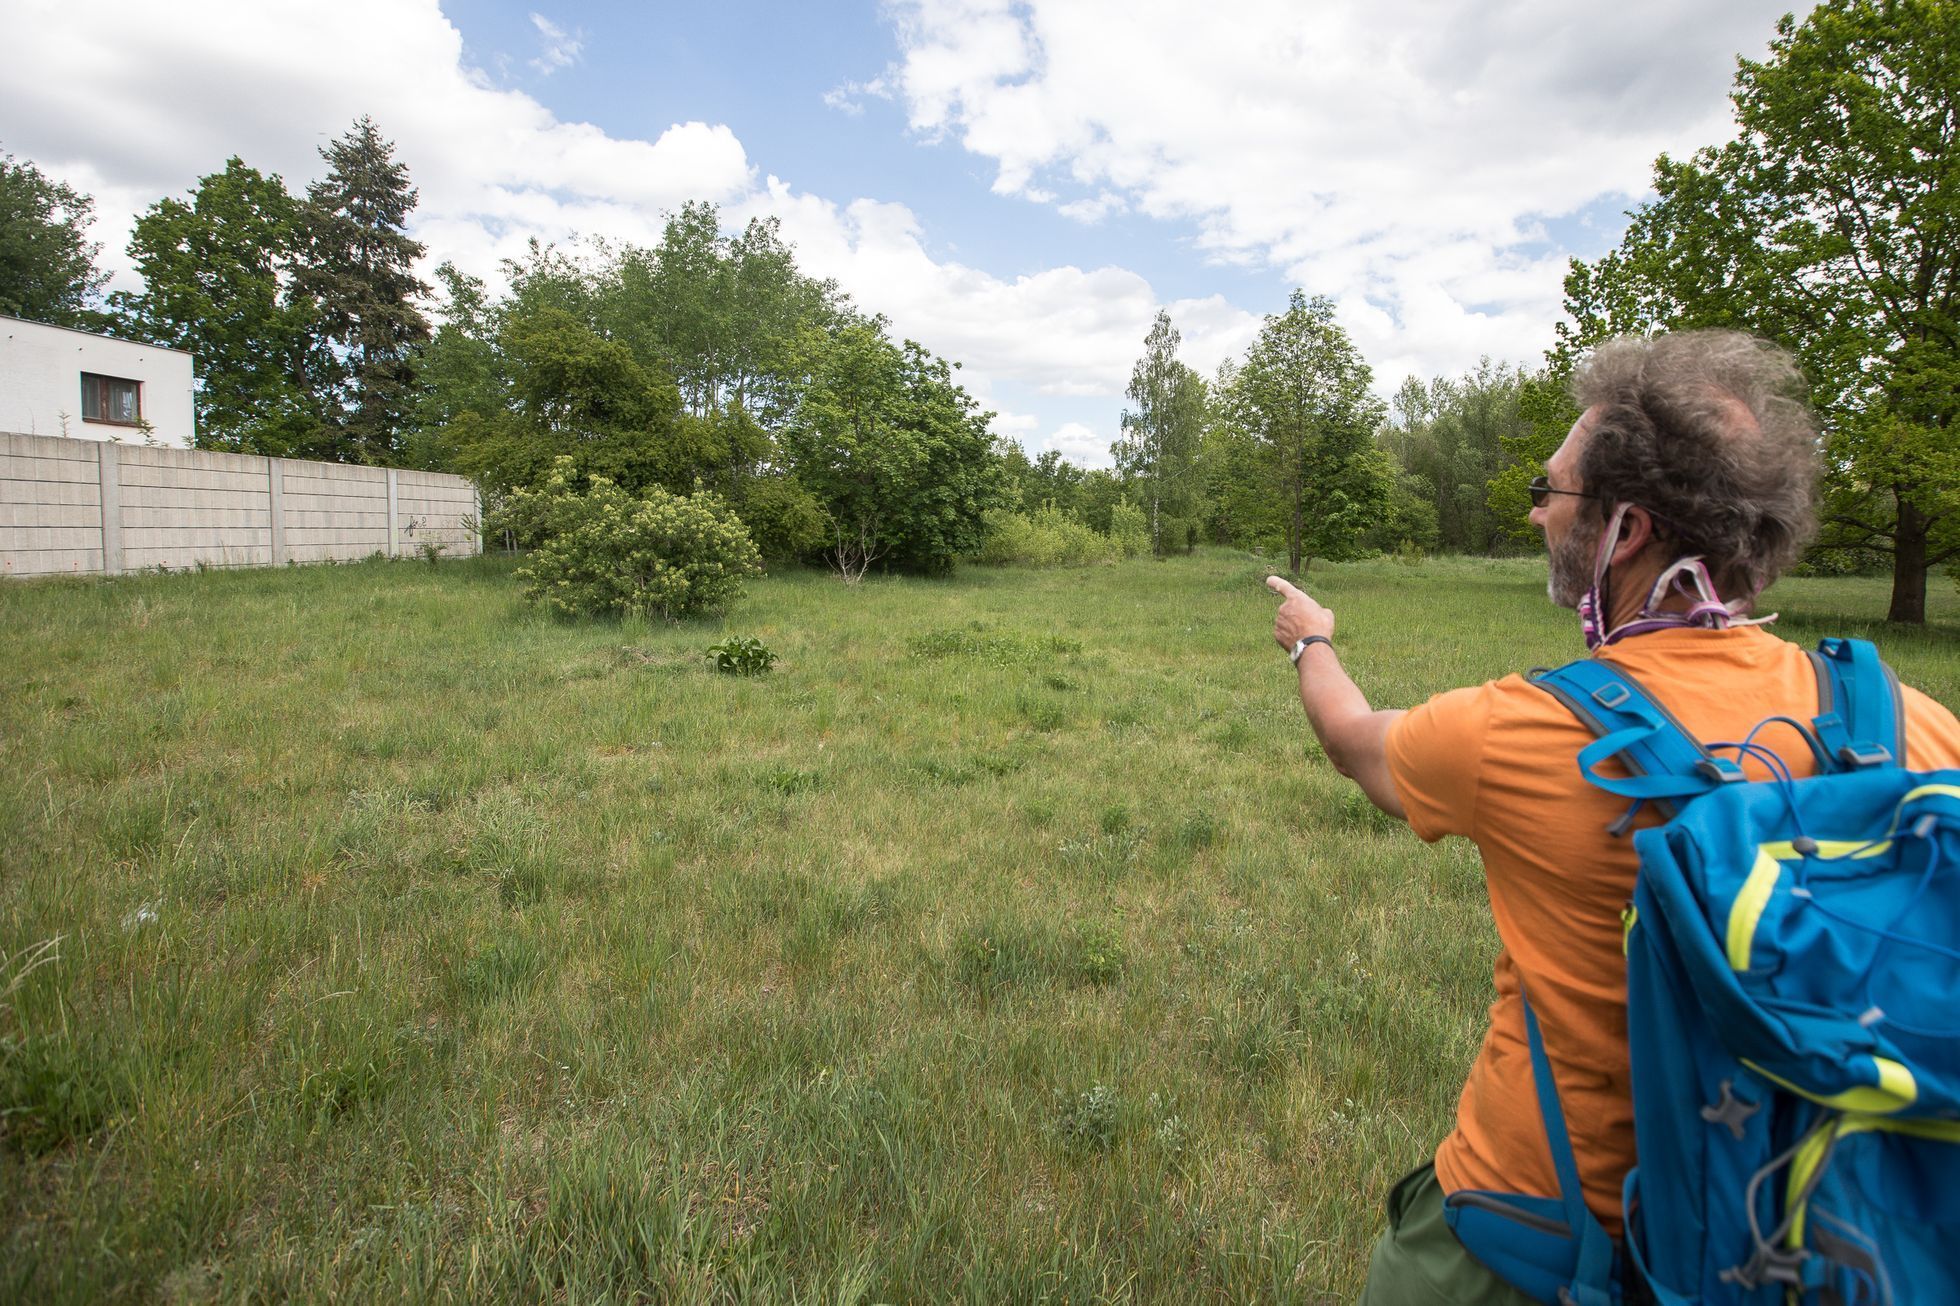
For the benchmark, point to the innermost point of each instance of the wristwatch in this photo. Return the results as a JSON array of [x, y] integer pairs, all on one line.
[[1305, 640]]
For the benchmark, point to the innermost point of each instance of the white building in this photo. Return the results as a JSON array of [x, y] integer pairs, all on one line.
[[55, 381]]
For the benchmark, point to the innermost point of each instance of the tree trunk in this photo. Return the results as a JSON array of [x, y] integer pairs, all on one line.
[[1156, 534], [1909, 567], [1297, 535]]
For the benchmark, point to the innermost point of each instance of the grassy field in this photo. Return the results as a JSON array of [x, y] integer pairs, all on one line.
[[1011, 940]]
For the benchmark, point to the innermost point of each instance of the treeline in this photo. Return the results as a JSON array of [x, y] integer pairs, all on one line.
[[710, 360], [1291, 450]]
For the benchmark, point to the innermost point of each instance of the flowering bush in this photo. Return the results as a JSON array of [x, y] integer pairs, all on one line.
[[607, 551]]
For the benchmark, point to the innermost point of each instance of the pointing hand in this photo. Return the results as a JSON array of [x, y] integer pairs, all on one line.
[[1298, 614]]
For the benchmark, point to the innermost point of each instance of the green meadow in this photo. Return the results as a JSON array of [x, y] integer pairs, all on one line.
[[366, 934]]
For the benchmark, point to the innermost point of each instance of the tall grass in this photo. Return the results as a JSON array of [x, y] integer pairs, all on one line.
[[1009, 940]]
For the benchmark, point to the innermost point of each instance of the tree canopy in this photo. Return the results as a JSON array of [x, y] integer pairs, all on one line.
[[47, 262], [217, 273], [1830, 224], [357, 266], [1304, 394], [1162, 431]]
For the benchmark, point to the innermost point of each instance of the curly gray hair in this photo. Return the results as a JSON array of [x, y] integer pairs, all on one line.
[[1708, 431]]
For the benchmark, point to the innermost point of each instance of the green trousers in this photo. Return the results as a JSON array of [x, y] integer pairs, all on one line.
[[1419, 1262]]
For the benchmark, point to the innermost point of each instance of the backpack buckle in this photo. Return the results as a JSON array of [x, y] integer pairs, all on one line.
[[1864, 753], [1611, 696], [1721, 770]]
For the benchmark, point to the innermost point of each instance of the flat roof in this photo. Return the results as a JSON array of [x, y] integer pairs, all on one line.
[[97, 335]]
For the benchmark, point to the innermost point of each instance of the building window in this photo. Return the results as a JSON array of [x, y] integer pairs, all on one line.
[[111, 399]]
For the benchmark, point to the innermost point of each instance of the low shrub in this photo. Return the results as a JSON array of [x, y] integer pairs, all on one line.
[[606, 552], [1129, 529], [1047, 537]]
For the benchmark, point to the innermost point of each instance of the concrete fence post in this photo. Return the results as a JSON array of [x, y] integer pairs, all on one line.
[[275, 481], [109, 466], [394, 538], [476, 497]]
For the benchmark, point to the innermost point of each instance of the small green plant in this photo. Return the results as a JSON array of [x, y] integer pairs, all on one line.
[[1099, 953], [1170, 1131], [1089, 1122], [742, 655], [790, 780]]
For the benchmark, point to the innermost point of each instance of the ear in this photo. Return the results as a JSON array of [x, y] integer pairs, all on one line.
[[1636, 533]]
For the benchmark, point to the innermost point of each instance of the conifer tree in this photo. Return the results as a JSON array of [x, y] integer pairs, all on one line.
[[359, 269]]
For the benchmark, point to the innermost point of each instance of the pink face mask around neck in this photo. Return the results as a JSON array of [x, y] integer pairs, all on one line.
[[1686, 576]]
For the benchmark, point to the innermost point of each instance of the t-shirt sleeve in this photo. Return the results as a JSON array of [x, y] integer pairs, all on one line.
[[1433, 753], [1932, 734]]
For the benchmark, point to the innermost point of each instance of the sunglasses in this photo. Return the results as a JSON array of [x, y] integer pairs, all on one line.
[[1541, 490]]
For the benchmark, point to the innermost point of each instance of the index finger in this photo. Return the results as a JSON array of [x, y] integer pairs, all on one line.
[[1283, 587]]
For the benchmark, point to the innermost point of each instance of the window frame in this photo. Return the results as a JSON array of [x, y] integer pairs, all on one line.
[[102, 388]]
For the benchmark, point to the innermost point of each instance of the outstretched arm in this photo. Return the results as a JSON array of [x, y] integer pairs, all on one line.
[[1353, 735]]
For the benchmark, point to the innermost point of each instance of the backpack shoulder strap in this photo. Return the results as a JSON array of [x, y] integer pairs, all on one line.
[[1860, 718], [1669, 765]]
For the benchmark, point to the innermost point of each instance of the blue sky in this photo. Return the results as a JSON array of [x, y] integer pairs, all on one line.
[[1019, 184]]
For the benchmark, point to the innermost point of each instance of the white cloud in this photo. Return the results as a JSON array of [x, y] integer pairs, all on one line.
[[560, 48], [1080, 445], [1402, 162], [849, 97], [1091, 210], [1393, 154], [1063, 331], [131, 102]]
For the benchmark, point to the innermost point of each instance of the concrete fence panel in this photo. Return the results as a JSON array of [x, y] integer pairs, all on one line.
[[50, 505], [71, 507]]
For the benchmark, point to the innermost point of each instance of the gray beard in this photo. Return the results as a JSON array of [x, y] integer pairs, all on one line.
[[1571, 564]]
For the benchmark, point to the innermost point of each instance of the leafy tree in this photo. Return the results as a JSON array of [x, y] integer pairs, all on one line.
[[897, 453], [460, 370], [847, 449], [1163, 430], [1097, 496], [1546, 413], [1450, 438], [1054, 480], [1832, 225], [1304, 395], [359, 269], [47, 262], [216, 281], [727, 317], [573, 394]]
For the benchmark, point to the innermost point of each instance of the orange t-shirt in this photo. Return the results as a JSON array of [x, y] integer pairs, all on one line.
[[1495, 763]]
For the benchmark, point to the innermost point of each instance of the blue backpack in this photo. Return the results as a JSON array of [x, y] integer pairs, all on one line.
[[1793, 1013]]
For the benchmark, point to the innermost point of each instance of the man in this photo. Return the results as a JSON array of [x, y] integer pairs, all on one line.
[[1690, 446]]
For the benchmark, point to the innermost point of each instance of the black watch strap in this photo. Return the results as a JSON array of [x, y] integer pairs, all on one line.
[[1306, 640]]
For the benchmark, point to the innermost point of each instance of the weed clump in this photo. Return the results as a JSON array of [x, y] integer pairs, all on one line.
[[742, 655], [1099, 953], [502, 969], [1088, 1122], [56, 1089], [989, 956]]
